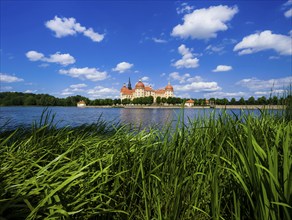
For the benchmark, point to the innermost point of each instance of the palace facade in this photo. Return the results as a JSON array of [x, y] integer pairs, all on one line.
[[141, 90]]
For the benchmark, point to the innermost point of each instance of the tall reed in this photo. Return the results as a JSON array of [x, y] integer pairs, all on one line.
[[213, 167]]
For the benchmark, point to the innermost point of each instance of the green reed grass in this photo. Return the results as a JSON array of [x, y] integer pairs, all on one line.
[[212, 167]]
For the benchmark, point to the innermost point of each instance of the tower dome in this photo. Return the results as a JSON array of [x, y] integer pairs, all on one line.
[[169, 87], [124, 88], [139, 85]]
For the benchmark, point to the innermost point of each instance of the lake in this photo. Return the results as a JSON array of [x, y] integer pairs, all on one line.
[[73, 116]]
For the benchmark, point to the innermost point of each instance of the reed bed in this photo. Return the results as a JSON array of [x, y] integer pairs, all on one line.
[[225, 167]]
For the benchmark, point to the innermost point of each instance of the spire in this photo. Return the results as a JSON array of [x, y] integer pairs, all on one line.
[[129, 84]]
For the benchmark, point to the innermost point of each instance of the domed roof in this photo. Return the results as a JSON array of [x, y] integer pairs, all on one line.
[[124, 88], [139, 85], [169, 87]]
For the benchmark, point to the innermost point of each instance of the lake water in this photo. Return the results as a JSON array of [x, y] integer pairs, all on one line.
[[73, 116]]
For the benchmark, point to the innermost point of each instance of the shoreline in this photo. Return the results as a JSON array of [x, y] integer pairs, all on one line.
[[249, 107]]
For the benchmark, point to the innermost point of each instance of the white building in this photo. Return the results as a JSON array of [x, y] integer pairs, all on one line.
[[81, 104], [145, 91]]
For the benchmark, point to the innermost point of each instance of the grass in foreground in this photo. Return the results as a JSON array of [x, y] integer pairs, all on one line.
[[214, 168]]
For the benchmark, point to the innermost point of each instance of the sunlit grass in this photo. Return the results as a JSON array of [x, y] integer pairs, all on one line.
[[223, 167]]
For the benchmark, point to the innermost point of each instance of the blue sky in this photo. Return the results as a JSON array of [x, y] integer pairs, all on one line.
[[204, 48]]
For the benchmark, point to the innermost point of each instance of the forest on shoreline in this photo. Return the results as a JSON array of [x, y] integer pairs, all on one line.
[[30, 99]]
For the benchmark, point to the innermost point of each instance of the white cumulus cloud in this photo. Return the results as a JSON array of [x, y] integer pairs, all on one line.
[[270, 93], [68, 26], [6, 78], [78, 86], [103, 92], [63, 59], [270, 84], [222, 68], [193, 84], [184, 8], [221, 95], [30, 91], [92, 74], [122, 67], [145, 78], [188, 60], [288, 13], [198, 87], [73, 89], [265, 40], [204, 23], [34, 55], [159, 40], [289, 2]]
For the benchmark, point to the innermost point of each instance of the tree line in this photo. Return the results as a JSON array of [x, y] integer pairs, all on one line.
[[30, 99]]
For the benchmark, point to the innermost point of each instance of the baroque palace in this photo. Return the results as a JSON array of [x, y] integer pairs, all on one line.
[[145, 91]]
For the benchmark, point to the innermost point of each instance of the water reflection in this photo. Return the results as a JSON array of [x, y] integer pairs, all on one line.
[[146, 117], [73, 116]]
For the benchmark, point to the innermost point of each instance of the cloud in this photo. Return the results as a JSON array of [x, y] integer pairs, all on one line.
[[184, 78], [205, 23], [255, 84], [73, 89], [30, 91], [5, 88], [158, 40], [34, 55], [225, 94], [177, 77], [92, 74], [288, 13], [63, 59], [5, 78], [268, 93], [198, 87], [274, 57], [145, 78], [103, 92], [96, 37], [215, 49], [265, 40], [78, 86], [68, 26], [194, 84], [122, 67], [187, 60], [222, 68], [184, 8], [289, 2]]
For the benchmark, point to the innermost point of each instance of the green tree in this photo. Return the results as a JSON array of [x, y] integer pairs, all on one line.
[[30, 100], [163, 100], [241, 101], [262, 100], [233, 101], [251, 101], [158, 100]]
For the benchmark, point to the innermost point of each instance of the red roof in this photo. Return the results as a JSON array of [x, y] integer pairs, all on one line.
[[190, 101], [127, 91], [160, 91], [148, 88], [169, 87], [140, 85]]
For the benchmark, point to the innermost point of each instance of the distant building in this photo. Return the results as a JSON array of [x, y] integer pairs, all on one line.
[[190, 103], [81, 104], [145, 91]]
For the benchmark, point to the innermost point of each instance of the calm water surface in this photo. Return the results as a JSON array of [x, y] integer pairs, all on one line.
[[73, 116]]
